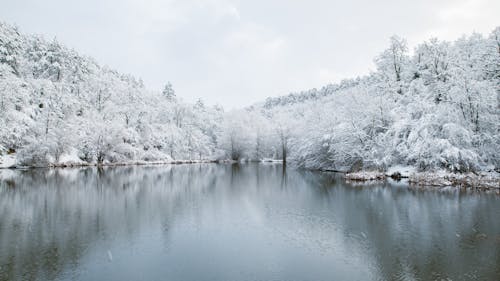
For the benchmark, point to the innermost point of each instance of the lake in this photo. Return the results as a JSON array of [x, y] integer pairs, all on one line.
[[239, 222]]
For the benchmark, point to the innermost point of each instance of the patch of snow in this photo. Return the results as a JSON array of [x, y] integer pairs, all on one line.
[[365, 176], [70, 159], [8, 161], [441, 178], [484, 180]]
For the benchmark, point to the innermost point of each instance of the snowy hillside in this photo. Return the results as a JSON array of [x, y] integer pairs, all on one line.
[[437, 108], [56, 104]]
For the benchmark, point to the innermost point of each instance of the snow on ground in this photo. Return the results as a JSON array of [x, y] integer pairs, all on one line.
[[70, 159], [142, 162], [365, 176], [7, 161], [482, 180]]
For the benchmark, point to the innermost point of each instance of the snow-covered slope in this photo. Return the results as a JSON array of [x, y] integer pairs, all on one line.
[[437, 108], [56, 103]]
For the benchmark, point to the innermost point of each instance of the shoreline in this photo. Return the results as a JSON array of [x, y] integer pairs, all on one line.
[[474, 181], [13, 166], [117, 164], [439, 178]]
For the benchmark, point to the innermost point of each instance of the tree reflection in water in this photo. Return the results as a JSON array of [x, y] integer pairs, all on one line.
[[238, 222]]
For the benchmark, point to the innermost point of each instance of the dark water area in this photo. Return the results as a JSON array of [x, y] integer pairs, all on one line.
[[239, 222]]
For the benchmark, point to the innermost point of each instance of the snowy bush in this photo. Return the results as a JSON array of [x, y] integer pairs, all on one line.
[[33, 155]]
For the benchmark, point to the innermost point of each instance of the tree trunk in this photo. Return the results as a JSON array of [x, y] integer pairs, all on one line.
[[283, 152]]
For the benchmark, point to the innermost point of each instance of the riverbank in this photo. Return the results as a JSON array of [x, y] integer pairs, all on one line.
[[481, 180], [9, 161]]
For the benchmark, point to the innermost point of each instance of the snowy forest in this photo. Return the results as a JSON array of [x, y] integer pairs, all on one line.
[[433, 107]]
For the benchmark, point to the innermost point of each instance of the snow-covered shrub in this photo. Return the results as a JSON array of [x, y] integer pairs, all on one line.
[[121, 153], [154, 155], [34, 155]]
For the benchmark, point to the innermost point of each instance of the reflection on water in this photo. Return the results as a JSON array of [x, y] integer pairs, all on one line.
[[238, 222]]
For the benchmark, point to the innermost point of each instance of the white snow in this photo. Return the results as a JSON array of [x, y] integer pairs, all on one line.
[[484, 180], [365, 176], [7, 161], [70, 159]]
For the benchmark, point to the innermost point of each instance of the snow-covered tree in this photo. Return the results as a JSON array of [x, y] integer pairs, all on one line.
[[168, 92]]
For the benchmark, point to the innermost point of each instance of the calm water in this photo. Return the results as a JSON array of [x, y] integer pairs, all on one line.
[[238, 222]]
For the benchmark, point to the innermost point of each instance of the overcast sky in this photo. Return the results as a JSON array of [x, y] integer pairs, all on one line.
[[238, 52]]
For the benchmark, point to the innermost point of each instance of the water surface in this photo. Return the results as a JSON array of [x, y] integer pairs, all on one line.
[[238, 222]]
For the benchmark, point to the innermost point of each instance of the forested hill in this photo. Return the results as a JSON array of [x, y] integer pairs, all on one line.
[[434, 108], [56, 103]]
